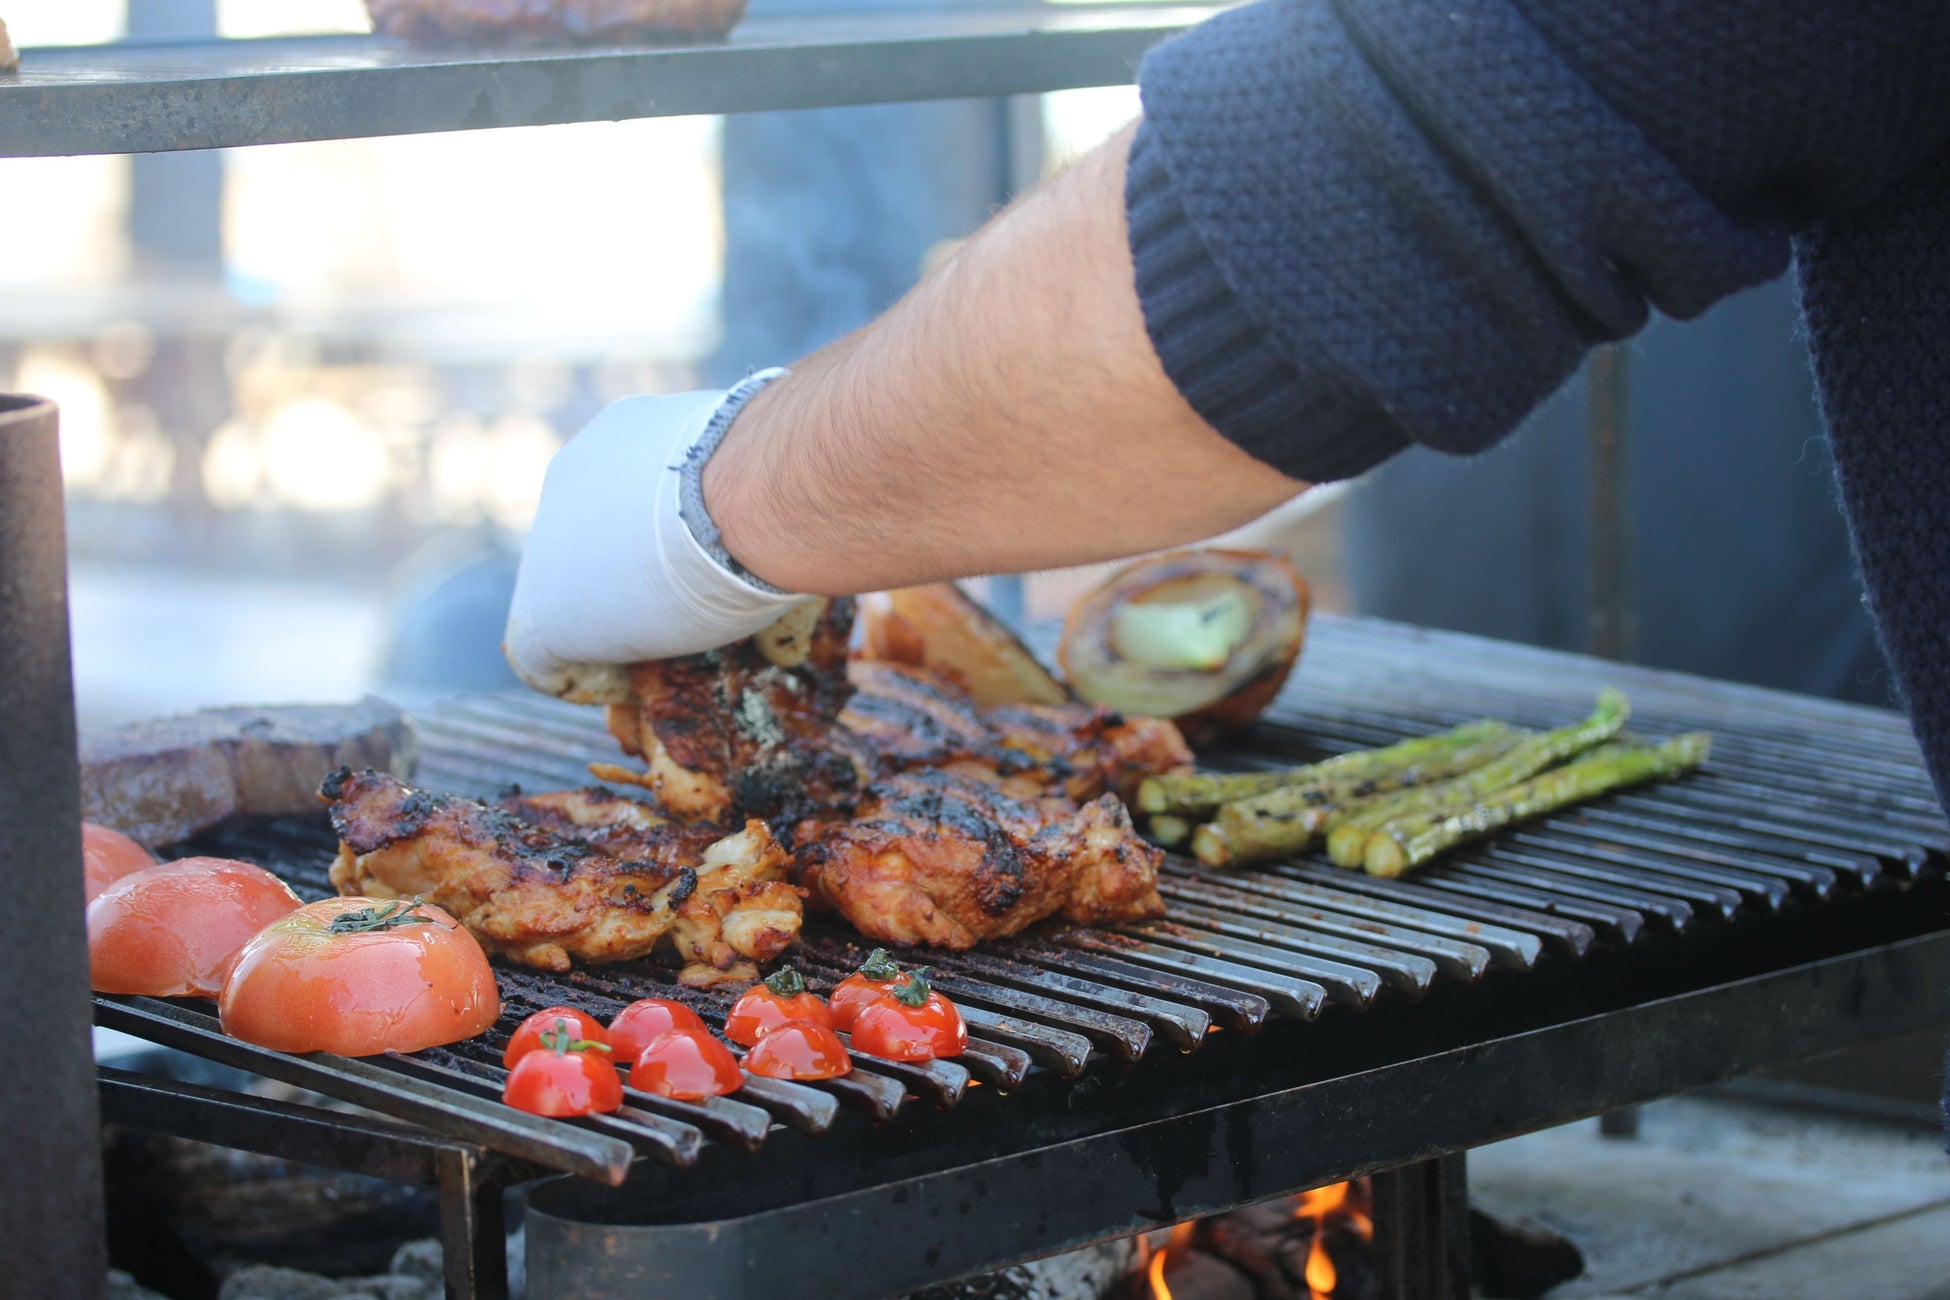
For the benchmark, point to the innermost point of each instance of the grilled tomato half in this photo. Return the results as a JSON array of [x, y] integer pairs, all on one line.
[[564, 1075], [359, 976], [646, 1020], [580, 1026], [797, 1050], [911, 1022], [853, 994], [688, 1065], [107, 856], [1205, 638], [782, 998], [173, 930]]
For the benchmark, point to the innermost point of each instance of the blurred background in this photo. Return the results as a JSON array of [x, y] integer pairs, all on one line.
[[308, 391]]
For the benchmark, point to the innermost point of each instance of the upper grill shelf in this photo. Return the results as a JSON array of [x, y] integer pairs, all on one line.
[[151, 97]]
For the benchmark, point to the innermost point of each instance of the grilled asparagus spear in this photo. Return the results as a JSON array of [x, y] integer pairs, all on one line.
[[1169, 831], [1411, 841], [1197, 794], [1348, 832], [1288, 819]]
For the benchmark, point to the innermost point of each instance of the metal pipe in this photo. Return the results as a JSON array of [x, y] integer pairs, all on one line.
[[52, 1227]]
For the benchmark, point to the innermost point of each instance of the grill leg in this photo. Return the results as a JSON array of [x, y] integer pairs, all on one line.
[[1421, 1226], [473, 1232], [1620, 1123], [51, 1221]]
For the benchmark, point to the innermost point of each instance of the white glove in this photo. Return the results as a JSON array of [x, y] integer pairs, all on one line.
[[612, 574]]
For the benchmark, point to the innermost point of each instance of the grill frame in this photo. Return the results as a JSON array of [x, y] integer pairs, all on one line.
[[1665, 913]]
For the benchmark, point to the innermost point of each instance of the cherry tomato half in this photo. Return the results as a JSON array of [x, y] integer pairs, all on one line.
[[852, 994], [797, 1050], [564, 1075], [643, 1022], [107, 856], [782, 998], [687, 1064], [528, 1036], [911, 1023]]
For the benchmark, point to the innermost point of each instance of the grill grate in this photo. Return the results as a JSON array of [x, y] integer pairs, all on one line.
[[1803, 801]]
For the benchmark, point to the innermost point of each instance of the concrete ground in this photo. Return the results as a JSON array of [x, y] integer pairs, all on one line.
[[1723, 1199]]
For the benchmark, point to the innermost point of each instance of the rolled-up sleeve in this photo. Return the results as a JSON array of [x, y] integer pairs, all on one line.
[[1366, 225]]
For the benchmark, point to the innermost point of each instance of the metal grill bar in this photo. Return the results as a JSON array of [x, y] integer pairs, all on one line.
[[1569, 937], [553, 1144]]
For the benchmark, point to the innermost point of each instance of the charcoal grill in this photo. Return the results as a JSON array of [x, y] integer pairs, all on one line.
[[1280, 1028]]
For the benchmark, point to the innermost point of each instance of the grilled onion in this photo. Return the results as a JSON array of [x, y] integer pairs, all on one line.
[[1202, 637], [938, 627]]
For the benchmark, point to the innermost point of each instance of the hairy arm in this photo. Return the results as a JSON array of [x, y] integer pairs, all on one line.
[[1009, 414]]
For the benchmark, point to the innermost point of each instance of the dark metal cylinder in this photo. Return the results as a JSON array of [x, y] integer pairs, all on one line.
[[51, 1223]]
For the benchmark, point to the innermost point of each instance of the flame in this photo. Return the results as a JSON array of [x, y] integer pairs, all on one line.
[[1319, 1205], [1179, 1242]]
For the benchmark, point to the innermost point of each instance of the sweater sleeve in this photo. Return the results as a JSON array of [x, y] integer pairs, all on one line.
[[1360, 225]]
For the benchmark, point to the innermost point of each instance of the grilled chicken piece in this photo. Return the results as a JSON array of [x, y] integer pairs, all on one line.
[[951, 857], [735, 731], [919, 816], [909, 718], [732, 732], [578, 874]]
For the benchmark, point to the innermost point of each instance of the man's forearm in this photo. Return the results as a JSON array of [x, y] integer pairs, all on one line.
[[1008, 414]]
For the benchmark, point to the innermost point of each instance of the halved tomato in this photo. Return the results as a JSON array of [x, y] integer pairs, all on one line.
[[565, 1075], [646, 1020], [173, 930], [358, 976], [799, 1051], [107, 856], [852, 994], [688, 1065], [911, 1023], [782, 998], [579, 1025]]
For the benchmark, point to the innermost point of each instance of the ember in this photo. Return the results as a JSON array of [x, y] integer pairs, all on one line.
[[1311, 1247], [1320, 1207]]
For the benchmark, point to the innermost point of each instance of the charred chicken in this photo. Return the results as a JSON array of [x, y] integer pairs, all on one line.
[[578, 874], [953, 856], [916, 814]]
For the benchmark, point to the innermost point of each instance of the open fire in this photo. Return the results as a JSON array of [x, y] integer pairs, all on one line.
[[1315, 1246]]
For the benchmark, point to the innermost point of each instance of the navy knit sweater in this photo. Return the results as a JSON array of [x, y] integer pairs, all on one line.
[[1364, 224]]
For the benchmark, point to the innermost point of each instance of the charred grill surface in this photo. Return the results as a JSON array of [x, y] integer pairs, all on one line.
[[579, 874]]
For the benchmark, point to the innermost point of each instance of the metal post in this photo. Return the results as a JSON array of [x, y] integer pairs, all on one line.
[[51, 1220], [473, 1233], [1612, 616], [1421, 1226]]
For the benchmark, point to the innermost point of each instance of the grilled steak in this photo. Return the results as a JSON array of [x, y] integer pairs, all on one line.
[[163, 781]]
